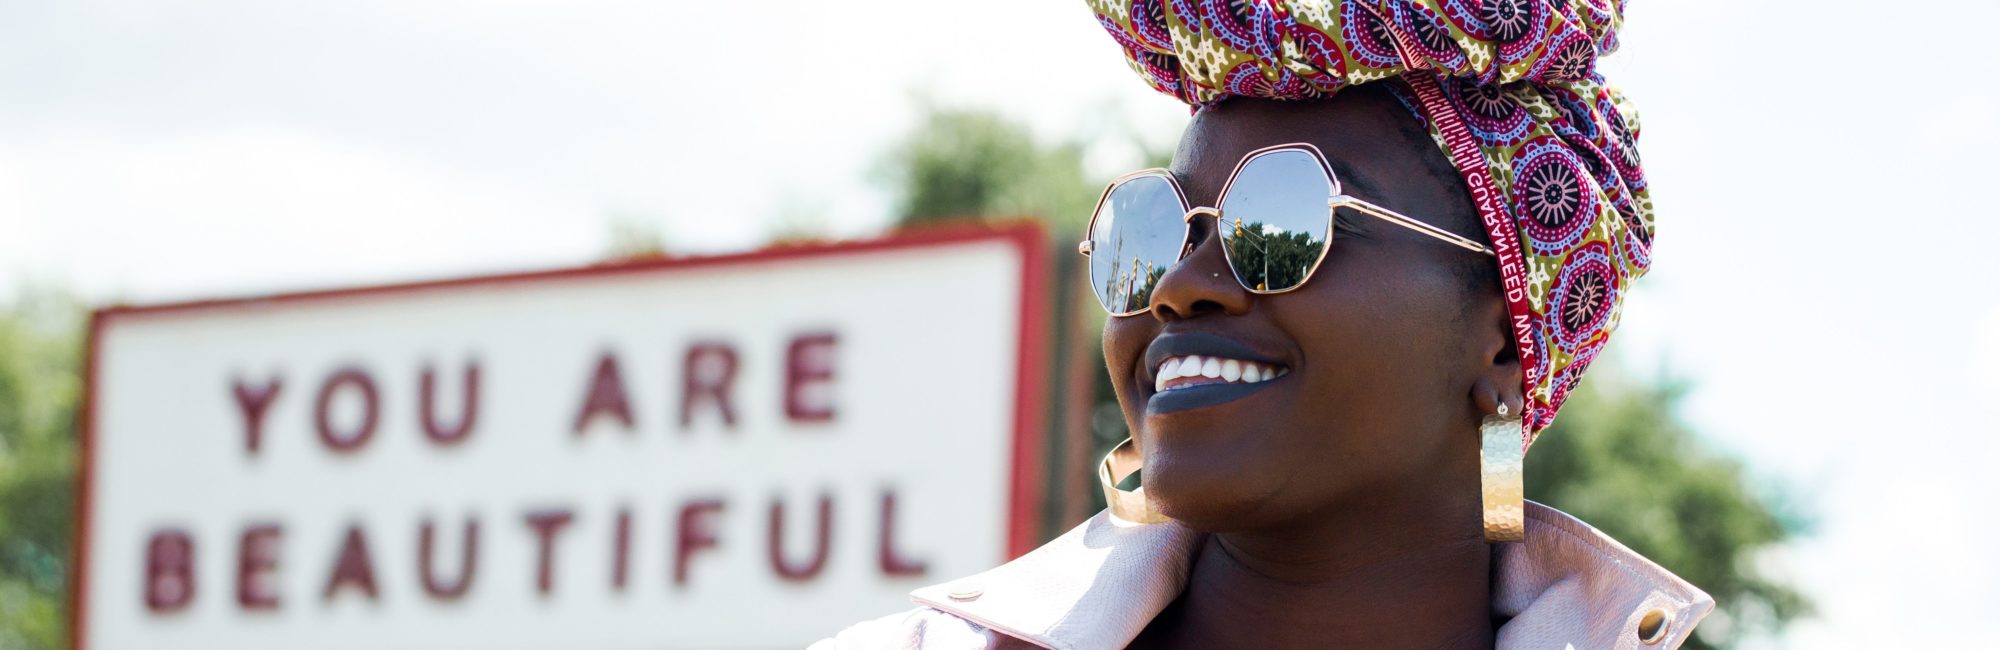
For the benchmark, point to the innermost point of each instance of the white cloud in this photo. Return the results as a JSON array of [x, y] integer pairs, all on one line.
[[1902, 566], [1988, 364], [689, 114], [255, 208]]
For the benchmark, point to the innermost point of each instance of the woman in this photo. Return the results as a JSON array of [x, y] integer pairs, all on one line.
[[1393, 236]]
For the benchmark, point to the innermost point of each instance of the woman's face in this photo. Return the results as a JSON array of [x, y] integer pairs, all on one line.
[[1384, 349]]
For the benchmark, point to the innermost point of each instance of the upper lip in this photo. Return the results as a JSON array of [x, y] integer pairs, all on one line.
[[1182, 344]]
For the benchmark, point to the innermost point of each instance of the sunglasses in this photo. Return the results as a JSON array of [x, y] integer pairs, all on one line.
[[1275, 219]]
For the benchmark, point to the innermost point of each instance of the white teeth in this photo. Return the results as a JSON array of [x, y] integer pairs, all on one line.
[[1236, 371]]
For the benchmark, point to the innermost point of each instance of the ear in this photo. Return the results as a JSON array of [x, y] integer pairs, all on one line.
[[1499, 375]]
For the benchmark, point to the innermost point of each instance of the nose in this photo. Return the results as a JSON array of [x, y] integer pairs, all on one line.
[[1202, 282]]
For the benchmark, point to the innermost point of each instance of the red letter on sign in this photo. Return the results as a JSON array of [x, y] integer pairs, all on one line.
[[257, 567], [546, 523], [468, 561], [467, 413], [695, 533], [621, 549], [370, 410], [169, 571], [352, 567], [706, 373], [606, 396], [253, 401], [803, 570], [893, 563], [809, 378]]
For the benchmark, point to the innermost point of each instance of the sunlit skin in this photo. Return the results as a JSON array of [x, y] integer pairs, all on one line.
[[1344, 496]]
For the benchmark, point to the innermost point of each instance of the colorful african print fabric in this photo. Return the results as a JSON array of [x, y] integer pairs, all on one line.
[[1511, 93]]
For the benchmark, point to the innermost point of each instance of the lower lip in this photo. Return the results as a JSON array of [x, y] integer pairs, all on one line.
[[1205, 395]]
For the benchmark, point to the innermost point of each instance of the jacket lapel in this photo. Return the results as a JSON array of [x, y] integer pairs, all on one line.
[[1094, 587], [1569, 584]]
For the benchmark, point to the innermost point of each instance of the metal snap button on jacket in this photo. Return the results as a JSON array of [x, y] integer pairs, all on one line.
[[963, 591], [1653, 626]]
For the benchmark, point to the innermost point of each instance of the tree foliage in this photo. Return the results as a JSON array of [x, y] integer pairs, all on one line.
[[1618, 457], [40, 350], [971, 164], [634, 237], [1268, 257]]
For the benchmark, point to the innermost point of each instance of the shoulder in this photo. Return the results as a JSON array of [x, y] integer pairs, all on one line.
[[920, 628]]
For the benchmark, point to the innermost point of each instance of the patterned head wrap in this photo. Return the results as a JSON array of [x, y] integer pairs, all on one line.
[[1510, 92]]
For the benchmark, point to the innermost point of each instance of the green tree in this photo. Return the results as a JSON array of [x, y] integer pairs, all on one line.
[[1268, 255], [632, 236], [40, 348], [1618, 457], [973, 164]]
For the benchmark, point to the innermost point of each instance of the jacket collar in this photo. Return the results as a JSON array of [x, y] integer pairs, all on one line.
[[1098, 585]]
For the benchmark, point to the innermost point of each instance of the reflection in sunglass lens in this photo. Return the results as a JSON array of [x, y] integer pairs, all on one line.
[[1274, 223], [1137, 235]]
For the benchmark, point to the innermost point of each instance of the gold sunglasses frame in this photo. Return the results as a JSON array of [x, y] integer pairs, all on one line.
[[1336, 199]]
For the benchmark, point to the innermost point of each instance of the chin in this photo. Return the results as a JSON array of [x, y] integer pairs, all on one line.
[[1210, 497]]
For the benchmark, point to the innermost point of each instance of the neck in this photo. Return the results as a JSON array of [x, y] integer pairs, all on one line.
[[1395, 577]]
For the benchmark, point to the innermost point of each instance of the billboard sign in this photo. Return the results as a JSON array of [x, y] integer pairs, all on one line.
[[737, 451]]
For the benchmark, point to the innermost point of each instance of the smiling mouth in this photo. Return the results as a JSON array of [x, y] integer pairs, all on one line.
[[1178, 373]]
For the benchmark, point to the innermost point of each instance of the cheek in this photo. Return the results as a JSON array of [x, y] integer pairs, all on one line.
[[1388, 302], [1382, 339], [1125, 341]]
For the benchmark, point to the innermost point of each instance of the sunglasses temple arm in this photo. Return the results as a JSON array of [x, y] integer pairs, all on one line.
[[1385, 214]]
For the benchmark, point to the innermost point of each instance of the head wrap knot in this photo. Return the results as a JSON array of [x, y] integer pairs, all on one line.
[[1511, 94]]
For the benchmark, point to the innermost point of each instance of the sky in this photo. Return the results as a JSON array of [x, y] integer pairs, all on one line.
[[1822, 272]]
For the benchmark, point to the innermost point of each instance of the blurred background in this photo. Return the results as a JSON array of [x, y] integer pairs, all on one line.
[[1798, 416]]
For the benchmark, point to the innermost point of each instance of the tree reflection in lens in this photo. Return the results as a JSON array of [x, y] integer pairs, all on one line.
[[1267, 257], [1128, 292], [1137, 236]]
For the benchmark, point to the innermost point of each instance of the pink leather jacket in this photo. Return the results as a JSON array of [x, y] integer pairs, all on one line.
[[1568, 587]]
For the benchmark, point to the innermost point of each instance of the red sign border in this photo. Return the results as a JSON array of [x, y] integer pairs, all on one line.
[[1027, 237]]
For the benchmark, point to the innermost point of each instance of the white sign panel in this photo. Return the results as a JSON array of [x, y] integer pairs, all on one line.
[[744, 451]]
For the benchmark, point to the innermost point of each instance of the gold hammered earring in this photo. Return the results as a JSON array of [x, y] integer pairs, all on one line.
[[1501, 449], [1131, 506]]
